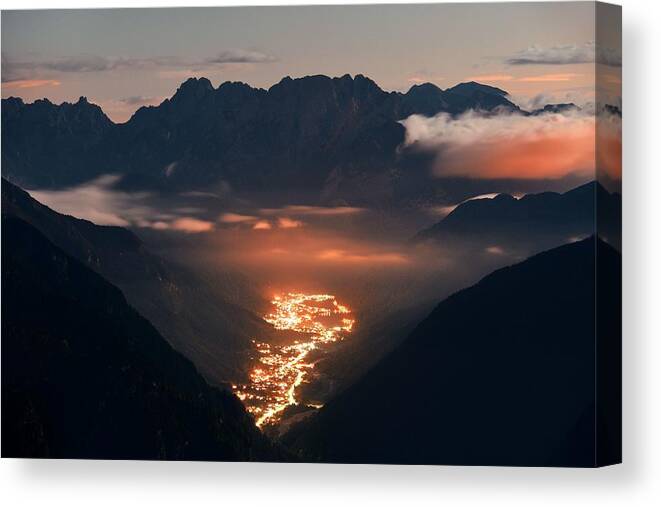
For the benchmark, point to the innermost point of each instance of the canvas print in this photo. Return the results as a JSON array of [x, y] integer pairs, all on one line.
[[384, 234]]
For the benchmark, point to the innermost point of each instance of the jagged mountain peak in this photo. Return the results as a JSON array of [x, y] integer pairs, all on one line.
[[193, 88]]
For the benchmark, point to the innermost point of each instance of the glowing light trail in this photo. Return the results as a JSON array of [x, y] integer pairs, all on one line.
[[316, 320]]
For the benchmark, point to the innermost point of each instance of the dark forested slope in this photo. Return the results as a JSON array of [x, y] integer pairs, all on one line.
[[501, 373], [85, 376]]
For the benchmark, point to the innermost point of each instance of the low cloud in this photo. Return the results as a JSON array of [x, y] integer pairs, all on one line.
[[547, 146], [288, 223], [301, 210], [262, 225], [567, 55], [236, 218], [344, 256], [99, 201], [259, 224], [191, 225]]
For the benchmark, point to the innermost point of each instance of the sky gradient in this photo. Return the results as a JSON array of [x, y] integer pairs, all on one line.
[[124, 58]]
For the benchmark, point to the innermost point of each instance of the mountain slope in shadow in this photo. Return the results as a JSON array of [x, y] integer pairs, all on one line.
[[501, 373], [191, 314], [85, 376]]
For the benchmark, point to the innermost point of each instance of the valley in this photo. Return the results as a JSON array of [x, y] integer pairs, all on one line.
[[312, 323]]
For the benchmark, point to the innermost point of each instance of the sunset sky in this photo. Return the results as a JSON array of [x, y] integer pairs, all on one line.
[[123, 59]]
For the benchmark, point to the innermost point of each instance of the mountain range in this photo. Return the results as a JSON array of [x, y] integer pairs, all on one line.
[[500, 373], [313, 132]]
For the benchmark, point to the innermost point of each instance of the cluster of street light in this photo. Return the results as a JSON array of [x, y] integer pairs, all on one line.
[[315, 320]]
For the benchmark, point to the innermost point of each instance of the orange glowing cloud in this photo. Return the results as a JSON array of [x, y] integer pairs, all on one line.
[[191, 225], [30, 83], [288, 223], [262, 225], [542, 78], [511, 145], [549, 78], [343, 256], [236, 218], [304, 210]]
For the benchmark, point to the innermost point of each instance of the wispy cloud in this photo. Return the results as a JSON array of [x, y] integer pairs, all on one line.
[[288, 223], [542, 78], [140, 100], [240, 56], [344, 256], [304, 210], [97, 201], [200, 194], [191, 225], [285, 217], [30, 83], [257, 223], [236, 218], [101, 202], [21, 70], [549, 78], [568, 54]]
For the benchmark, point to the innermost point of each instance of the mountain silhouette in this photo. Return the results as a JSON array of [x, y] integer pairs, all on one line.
[[477, 96], [298, 133], [533, 223], [85, 376], [193, 314], [556, 108], [520, 369]]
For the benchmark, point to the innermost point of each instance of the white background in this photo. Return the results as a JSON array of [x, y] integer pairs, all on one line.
[[636, 482]]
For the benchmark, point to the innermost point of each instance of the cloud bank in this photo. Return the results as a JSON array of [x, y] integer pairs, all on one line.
[[17, 70], [240, 56], [567, 55], [512, 146]]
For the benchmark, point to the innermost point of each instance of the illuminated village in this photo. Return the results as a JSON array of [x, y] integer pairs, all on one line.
[[315, 320]]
